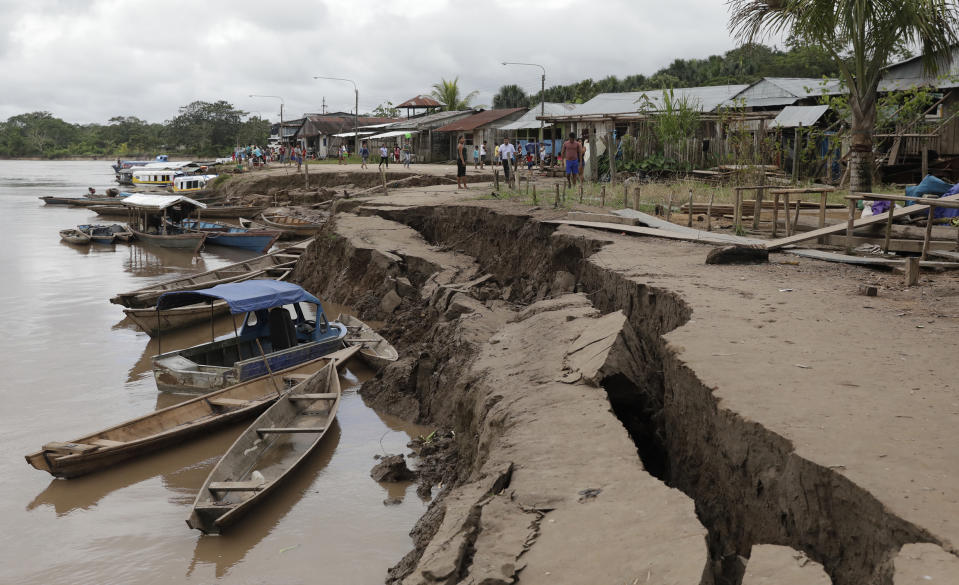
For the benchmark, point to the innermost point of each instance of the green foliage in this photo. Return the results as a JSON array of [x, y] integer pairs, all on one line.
[[510, 96], [386, 110], [674, 120], [448, 93]]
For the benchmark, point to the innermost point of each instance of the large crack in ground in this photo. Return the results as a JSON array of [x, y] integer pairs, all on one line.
[[748, 484]]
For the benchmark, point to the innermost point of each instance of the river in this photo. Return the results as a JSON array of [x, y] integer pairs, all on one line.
[[70, 365]]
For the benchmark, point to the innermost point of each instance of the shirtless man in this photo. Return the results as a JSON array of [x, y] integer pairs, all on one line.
[[572, 152]]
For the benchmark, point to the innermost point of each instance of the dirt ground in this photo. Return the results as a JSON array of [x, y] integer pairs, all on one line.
[[787, 408]]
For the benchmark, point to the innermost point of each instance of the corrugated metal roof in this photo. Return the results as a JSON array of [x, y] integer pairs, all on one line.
[[529, 119], [428, 119], [420, 101], [479, 119], [783, 91], [793, 116]]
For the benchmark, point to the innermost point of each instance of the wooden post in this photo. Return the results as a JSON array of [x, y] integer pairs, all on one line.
[[738, 210], [306, 172], [496, 178], [534, 191], [925, 160], [786, 214], [850, 226], [775, 213], [927, 237], [527, 185], [689, 220], [885, 246], [798, 205], [760, 191], [602, 196], [580, 191], [557, 195], [912, 271], [669, 206], [383, 179], [611, 153], [822, 209], [709, 212], [636, 197], [796, 140]]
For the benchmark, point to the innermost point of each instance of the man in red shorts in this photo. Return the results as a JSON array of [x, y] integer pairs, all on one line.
[[572, 152]]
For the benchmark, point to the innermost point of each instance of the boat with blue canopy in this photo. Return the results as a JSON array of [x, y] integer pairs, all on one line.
[[283, 327], [221, 234]]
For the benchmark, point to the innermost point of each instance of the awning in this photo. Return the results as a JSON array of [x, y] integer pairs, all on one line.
[[350, 134], [145, 201], [394, 134], [243, 297], [524, 125], [793, 116]]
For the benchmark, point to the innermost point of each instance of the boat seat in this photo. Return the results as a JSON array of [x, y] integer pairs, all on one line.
[[107, 443], [69, 447], [236, 486], [265, 430], [297, 378], [227, 402], [282, 332], [330, 396]]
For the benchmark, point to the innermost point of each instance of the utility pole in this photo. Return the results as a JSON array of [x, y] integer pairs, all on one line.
[[356, 109], [542, 96]]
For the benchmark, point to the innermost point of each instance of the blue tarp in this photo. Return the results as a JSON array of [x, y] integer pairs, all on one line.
[[243, 297], [931, 185]]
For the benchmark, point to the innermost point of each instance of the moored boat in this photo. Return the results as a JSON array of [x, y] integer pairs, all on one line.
[[74, 236], [106, 234], [191, 183], [148, 434], [375, 350], [230, 211], [290, 226], [219, 234], [268, 450], [155, 219], [276, 335]]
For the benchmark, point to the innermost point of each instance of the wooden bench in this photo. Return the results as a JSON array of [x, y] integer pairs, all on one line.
[[227, 402], [266, 430], [236, 486], [296, 378], [933, 203], [823, 193], [331, 396]]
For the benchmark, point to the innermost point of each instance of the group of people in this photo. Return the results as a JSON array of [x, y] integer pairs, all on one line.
[[398, 154], [571, 154]]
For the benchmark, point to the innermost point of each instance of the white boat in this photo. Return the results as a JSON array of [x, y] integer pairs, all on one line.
[[191, 183]]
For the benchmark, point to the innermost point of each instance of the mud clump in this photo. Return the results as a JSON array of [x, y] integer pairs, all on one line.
[[392, 468]]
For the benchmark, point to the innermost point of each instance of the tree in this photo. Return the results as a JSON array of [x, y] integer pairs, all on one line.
[[448, 93], [386, 110], [860, 36], [510, 96], [206, 128]]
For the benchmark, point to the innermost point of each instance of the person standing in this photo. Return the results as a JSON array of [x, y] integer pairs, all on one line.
[[364, 154], [384, 157], [461, 163], [571, 153], [483, 155], [407, 155], [476, 156], [506, 154]]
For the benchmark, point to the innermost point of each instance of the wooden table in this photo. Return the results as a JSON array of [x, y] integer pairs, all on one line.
[[823, 194]]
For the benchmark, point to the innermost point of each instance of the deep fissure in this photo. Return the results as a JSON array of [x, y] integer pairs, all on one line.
[[748, 485]]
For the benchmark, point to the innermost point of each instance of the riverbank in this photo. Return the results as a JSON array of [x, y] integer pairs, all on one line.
[[624, 412]]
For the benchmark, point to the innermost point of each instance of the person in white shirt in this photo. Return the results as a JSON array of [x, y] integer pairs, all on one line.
[[384, 157], [506, 153], [483, 155]]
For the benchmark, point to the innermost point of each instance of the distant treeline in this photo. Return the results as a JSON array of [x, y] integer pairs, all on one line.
[[200, 128], [742, 65]]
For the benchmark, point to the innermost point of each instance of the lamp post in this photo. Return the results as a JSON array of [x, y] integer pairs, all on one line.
[[356, 108], [253, 95], [542, 96]]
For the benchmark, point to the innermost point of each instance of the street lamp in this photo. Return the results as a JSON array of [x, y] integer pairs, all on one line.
[[356, 108], [253, 95], [542, 96]]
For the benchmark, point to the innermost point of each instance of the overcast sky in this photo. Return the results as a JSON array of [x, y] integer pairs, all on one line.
[[90, 60]]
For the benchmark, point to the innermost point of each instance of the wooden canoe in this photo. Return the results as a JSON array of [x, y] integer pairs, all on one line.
[[148, 434], [229, 211], [266, 266], [267, 451], [74, 236], [191, 241], [374, 349], [290, 226]]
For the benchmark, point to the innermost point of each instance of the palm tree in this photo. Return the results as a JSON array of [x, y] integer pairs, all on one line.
[[510, 96], [860, 36], [448, 93]]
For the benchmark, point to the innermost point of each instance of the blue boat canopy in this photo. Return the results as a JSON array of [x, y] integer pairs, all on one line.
[[243, 297]]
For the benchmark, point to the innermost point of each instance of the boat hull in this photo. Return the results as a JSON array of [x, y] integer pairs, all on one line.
[[75, 237], [167, 427], [181, 241], [178, 374], [374, 349], [218, 504], [257, 242], [170, 319], [229, 212]]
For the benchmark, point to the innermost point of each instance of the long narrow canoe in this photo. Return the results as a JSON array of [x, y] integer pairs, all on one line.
[[74, 236], [191, 241], [150, 433], [230, 211], [266, 266], [270, 448], [374, 349], [290, 226]]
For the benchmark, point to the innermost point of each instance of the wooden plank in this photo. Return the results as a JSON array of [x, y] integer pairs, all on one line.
[[327, 396], [945, 254], [866, 260], [698, 236], [236, 486], [651, 221], [941, 202], [227, 402], [107, 443], [266, 430], [863, 221], [69, 447], [296, 377]]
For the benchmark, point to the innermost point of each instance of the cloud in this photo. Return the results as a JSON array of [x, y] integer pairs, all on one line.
[[89, 61]]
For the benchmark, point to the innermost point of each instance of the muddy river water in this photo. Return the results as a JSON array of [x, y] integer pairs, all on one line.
[[70, 364]]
